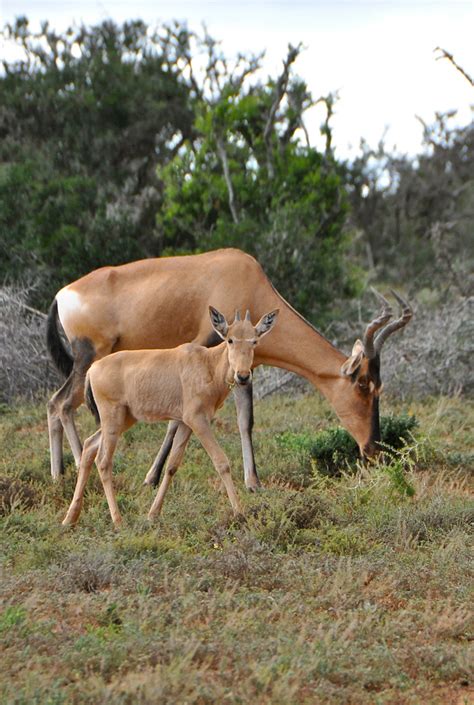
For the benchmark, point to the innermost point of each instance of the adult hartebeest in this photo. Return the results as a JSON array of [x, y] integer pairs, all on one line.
[[163, 302], [187, 384]]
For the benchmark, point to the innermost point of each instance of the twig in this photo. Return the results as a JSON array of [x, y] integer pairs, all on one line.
[[446, 55]]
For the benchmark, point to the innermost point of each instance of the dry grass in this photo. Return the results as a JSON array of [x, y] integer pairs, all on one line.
[[348, 592]]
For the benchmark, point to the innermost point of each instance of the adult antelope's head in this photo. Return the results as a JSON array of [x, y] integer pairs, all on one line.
[[362, 370], [241, 337]]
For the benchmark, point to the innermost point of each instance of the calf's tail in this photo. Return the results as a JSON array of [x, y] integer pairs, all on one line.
[[90, 401]]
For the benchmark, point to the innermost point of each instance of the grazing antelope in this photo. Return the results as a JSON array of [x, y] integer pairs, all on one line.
[[187, 384], [162, 303]]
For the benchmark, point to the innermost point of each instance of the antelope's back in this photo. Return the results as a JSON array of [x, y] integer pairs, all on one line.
[[161, 302]]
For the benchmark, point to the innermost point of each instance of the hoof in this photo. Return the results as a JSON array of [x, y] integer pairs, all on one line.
[[239, 519], [255, 488]]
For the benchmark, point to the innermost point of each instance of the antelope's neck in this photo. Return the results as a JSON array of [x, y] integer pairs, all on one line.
[[295, 345]]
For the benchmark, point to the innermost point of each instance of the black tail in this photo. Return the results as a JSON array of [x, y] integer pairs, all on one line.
[[90, 401], [60, 356]]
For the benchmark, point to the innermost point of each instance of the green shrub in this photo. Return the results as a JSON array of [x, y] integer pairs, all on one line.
[[332, 450], [396, 431]]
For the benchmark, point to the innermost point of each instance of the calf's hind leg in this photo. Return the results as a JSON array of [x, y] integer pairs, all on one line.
[[154, 473], [114, 422], [91, 446]]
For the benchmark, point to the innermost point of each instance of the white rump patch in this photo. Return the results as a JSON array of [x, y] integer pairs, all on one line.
[[69, 304]]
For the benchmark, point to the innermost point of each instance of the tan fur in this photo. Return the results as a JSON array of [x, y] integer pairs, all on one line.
[[162, 303], [187, 384]]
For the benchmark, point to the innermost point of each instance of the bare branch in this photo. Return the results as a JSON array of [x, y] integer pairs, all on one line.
[[280, 89], [446, 55], [225, 166]]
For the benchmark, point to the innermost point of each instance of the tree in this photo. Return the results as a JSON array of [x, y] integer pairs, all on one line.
[[85, 118], [249, 178], [115, 147], [415, 215]]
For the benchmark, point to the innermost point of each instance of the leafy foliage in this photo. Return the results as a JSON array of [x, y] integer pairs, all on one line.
[[85, 117], [248, 181], [114, 148]]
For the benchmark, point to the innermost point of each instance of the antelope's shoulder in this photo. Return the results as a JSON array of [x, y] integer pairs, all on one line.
[[190, 354]]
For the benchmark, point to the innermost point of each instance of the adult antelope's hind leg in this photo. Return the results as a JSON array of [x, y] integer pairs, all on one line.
[[182, 434], [243, 397], [56, 432], [203, 431], [61, 408], [91, 446], [63, 404], [154, 473]]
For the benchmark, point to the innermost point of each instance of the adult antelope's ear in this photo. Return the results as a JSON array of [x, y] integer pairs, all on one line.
[[353, 362], [266, 323], [218, 322]]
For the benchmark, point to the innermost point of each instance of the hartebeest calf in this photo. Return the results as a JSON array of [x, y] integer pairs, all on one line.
[[187, 384], [162, 303]]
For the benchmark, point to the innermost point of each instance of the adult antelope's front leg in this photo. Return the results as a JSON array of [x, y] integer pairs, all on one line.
[[181, 438], [243, 397], [202, 428], [154, 473]]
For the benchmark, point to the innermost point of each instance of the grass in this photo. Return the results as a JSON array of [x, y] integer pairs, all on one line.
[[334, 590]]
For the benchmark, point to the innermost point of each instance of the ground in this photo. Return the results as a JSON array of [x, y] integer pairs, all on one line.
[[331, 591]]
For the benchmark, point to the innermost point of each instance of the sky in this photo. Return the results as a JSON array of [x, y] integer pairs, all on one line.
[[377, 54]]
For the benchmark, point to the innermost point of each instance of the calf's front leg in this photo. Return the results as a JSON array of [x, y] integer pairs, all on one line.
[[202, 428], [89, 453]]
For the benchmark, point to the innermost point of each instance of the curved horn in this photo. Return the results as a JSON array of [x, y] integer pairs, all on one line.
[[369, 348], [237, 315], [407, 313], [247, 315]]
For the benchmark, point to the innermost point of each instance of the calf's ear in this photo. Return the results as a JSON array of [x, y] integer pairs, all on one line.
[[266, 323], [218, 322]]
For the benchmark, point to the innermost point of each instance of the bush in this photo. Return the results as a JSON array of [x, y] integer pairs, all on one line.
[[15, 493], [334, 449], [25, 368]]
